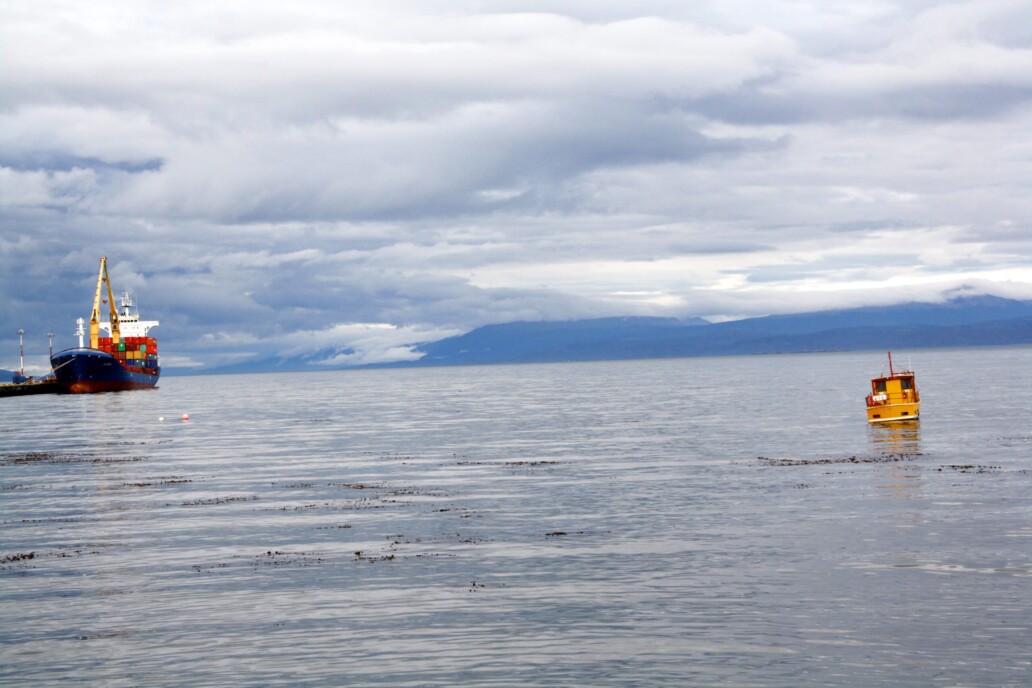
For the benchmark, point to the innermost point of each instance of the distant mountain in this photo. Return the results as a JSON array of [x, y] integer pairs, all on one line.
[[7, 375], [967, 321], [571, 340]]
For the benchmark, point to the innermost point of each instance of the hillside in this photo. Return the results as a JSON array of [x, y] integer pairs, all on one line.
[[967, 321], [971, 321]]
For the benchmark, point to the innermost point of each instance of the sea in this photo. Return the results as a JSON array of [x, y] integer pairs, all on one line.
[[728, 521]]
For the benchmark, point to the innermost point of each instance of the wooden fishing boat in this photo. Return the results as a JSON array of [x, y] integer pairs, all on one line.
[[894, 397]]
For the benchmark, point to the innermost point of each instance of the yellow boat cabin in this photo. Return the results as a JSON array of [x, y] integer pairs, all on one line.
[[893, 397]]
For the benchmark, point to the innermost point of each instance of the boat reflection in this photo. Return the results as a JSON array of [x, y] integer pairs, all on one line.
[[900, 440], [896, 438]]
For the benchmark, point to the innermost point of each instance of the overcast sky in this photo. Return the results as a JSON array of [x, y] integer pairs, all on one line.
[[352, 178]]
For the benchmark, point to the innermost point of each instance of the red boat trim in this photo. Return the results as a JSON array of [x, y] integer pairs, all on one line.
[[91, 386]]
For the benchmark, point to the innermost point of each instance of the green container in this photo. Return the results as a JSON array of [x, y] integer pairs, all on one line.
[[143, 348], [121, 346]]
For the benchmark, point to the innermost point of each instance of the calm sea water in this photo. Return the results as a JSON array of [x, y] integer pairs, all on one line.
[[719, 521]]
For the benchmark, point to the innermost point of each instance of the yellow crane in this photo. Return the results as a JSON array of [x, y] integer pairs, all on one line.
[[116, 333]]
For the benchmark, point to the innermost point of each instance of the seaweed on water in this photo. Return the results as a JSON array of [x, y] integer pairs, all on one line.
[[219, 500], [531, 463], [581, 533], [881, 458], [23, 559], [41, 457], [969, 468], [372, 558], [277, 558], [271, 558], [156, 482], [56, 458], [121, 459]]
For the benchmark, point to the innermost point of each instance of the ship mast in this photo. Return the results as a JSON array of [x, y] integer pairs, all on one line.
[[116, 334]]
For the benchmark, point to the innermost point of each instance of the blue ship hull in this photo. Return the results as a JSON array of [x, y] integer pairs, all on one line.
[[84, 370]]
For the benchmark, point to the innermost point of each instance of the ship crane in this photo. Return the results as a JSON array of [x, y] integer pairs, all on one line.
[[116, 332], [122, 324]]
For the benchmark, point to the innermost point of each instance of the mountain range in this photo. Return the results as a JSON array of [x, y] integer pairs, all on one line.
[[961, 321]]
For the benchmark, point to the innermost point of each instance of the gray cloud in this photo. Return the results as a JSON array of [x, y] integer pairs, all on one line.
[[344, 181]]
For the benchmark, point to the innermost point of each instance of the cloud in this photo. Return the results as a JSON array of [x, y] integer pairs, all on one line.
[[267, 173]]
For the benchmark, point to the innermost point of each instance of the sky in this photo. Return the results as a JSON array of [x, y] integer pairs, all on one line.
[[341, 181]]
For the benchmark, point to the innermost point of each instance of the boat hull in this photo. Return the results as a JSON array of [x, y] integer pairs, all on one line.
[[892, 413], [84, 371]]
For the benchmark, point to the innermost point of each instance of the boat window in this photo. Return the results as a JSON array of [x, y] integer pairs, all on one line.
[[879, 386], [907, 382]]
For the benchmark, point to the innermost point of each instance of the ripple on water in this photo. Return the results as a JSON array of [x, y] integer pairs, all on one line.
[[534, 525]]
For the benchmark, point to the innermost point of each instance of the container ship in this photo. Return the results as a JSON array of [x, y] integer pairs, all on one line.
[[124, 359]]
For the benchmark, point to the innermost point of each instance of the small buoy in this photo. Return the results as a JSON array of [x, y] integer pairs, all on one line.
[[161, 419], [186, 416]]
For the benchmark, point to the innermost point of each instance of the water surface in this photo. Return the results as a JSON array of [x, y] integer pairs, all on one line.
[[692, 522]]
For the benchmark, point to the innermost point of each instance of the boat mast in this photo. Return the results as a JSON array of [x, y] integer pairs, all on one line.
[[891, 371], [127, 304]]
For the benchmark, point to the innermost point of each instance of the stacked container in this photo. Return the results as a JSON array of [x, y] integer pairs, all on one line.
[[138, 354]]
